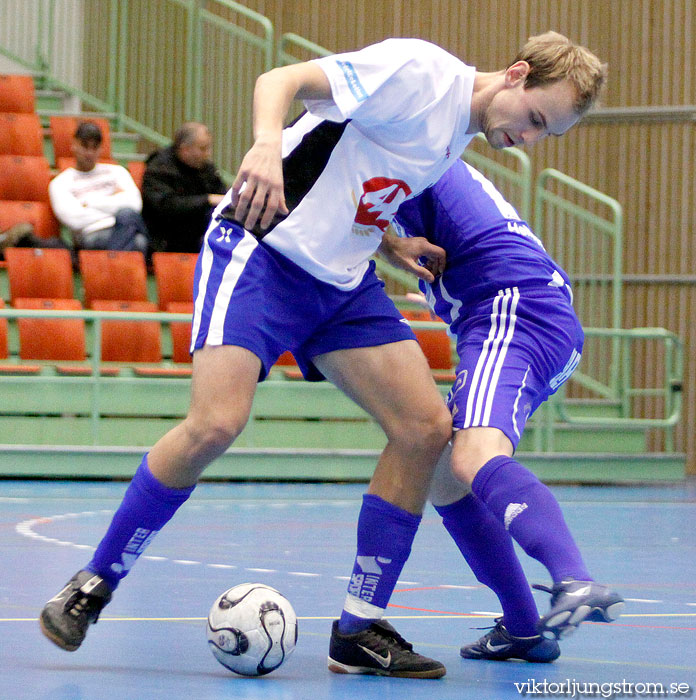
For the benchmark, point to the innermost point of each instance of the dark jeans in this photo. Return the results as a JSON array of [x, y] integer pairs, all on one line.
[[127, 233]]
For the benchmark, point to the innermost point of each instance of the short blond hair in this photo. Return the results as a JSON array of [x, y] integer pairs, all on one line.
[[553, 57]]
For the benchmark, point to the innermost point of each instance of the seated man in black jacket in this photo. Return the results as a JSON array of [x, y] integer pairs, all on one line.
[[181, 187]]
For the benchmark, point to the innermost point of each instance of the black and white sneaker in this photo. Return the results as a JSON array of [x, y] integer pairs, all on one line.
[[66, 617], [573, 602], [500, 645], [379, 650]]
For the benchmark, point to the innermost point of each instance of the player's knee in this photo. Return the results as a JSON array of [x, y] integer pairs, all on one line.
[[474, 447], [465, 468], [465, 464], [429, 431], [213, 434]]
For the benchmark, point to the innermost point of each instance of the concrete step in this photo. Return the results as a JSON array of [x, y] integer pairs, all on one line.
[[590, 438], [27, 461]]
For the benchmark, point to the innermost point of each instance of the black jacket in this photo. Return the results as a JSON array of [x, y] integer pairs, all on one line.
[[175, 201]]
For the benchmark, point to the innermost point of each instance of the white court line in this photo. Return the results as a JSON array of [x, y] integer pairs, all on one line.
[[24, 529]]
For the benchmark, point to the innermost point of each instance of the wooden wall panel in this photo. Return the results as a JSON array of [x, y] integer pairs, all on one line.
[[648, 167]]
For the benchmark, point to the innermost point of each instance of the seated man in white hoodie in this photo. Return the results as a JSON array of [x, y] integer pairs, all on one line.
[[99, 202]]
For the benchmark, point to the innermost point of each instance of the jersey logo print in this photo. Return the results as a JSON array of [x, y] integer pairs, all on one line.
[[224, 235], [380, 199]]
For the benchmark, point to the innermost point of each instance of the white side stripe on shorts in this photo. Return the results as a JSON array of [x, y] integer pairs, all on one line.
[[490, 362], [199, 294], [241, 253], [517, 403]]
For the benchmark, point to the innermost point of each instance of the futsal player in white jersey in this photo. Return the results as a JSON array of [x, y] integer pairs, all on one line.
[[509, 307], [284, 266]]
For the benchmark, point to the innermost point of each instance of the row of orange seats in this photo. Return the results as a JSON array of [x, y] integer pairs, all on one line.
[[22, 135], [112, 281], [64, 340], [106, 275], [117, 280], [24, 170]]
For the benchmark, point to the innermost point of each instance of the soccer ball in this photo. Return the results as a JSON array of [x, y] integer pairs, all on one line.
[[252, 629]]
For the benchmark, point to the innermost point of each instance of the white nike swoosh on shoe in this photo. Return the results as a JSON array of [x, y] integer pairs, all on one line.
[[581, 591], [383, 661], [58, 595], [497, 647]]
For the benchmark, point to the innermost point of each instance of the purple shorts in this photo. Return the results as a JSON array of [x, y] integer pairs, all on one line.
[[248, 294], [515, 350]]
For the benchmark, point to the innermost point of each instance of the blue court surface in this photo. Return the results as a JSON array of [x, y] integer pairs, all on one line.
[[299, 538]]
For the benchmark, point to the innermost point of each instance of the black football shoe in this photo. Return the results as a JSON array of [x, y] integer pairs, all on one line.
[[66, 617], [379, 650]]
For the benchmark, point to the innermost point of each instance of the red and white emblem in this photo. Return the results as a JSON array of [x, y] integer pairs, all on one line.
[[380, 199]]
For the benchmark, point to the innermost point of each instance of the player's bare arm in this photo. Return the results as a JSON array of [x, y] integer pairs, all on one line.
[[261, 167], [404, 253]]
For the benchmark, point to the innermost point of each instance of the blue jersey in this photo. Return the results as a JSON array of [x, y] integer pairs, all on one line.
[[489, 247]]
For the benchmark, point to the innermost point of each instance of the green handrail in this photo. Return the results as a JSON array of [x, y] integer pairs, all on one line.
[[543, 423], [124, 88], [577, 235], [284, 57]]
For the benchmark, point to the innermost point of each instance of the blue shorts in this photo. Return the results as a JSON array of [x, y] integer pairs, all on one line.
[[515, 350], [248, 294]]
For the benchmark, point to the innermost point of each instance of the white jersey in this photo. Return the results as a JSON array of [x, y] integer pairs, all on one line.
[[397, 121], [86, 202]]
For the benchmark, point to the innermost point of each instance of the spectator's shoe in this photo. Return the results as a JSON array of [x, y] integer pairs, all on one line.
[[66, 617], [573, 602], [500, 645], [379, 650], [14, 234]]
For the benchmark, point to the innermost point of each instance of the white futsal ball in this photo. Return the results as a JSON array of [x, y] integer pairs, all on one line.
[[252, 629]]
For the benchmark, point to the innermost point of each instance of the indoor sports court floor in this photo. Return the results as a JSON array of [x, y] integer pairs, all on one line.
[[150, 642]]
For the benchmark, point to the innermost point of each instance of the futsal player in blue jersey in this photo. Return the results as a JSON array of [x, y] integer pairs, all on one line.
[[285, 265], [509, 306]]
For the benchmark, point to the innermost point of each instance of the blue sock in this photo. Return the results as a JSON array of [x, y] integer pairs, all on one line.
[[147, 506], [531, 514], [385, 535], [489, 551]]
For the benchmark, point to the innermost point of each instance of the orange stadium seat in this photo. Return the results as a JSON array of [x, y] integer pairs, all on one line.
[[51, 339], [287, 359], [3, 334], [17, 94], [39, 273], [117, 275], [130, 341], [20, 135], [11, 367], [63, 130], [24, 178], [174, 276], [181, 332], [137, 170], [38, 214], [435, 344]]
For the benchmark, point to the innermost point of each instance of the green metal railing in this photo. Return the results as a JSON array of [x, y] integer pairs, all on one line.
[[95, 318], [203, 67], [582, 230], [292, 48], [667, 395], [544, 424]]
